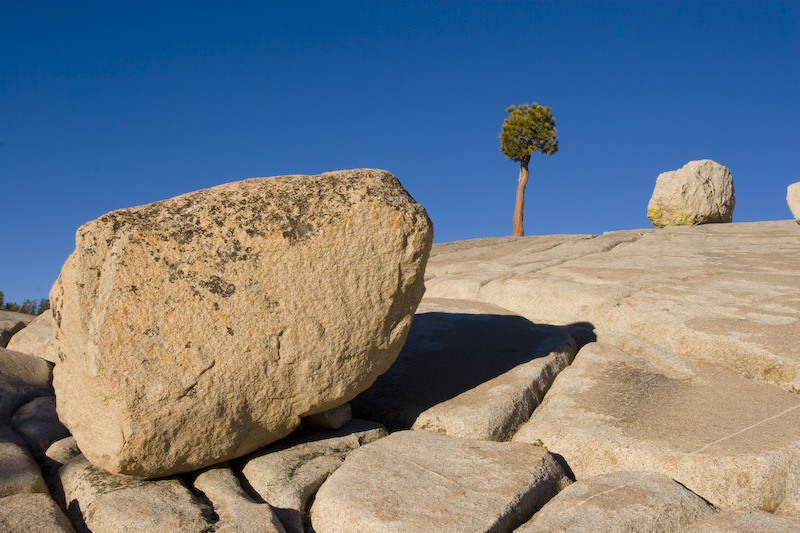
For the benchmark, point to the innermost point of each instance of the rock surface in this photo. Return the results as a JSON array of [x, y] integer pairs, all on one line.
[[455, 346], [746, 522], [19, 473], [793, 199], [10, 323], [724, 293], [330, 419], [692, 380], [237, 512], [23, 377], [294, 293], [422, 481], [37, 422], [288, 474], [662, 412], [32, 513], [36, 338], [101, 502], [701, 192], [621, 502]]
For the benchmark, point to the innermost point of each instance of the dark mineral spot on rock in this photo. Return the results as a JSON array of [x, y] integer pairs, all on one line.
[[217, 285]]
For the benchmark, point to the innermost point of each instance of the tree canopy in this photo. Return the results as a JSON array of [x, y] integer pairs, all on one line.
[[528, 129]]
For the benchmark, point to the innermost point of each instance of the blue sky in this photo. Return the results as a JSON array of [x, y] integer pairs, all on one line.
[[106, 105]]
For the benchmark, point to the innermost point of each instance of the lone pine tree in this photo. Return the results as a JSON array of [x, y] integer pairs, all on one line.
[[527, 129]]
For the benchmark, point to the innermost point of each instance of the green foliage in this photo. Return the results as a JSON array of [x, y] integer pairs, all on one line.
[[528, 129], [31, 307]]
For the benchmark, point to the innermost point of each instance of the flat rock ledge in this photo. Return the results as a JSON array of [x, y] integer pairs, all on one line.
[[723, 293], [731, 440], [422, 481]]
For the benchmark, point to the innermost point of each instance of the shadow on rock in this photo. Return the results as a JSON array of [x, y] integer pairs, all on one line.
[[447, 354]]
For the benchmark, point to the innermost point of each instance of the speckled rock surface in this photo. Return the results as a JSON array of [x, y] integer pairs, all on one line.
[[10, 323], [733, 441], [621, 502], [724, 293], [200, 328], [36, 338], [701, 192], [793, 199], [32, 513], [422, 481], [23, 377]]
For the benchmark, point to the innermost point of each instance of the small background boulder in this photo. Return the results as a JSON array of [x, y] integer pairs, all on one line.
[[793, 199], [699, 193]]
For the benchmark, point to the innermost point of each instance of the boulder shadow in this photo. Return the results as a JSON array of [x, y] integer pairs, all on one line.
[[447, 354]]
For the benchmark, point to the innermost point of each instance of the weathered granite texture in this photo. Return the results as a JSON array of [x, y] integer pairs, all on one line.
[[203, 327]]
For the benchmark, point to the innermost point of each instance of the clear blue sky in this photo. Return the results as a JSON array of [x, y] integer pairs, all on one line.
[[105, 105]]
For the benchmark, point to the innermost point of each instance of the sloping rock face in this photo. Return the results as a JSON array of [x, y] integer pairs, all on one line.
[[36, 338], [468, 369], [701, 192], [732, 440], [422, 481], [622, 502], [198, 329], [793, 199], [724, 293], [23, 377], [10, 323]]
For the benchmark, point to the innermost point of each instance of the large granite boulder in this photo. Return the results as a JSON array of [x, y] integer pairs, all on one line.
[[793, 199], [37, 338], [200, 328], [700, 192]]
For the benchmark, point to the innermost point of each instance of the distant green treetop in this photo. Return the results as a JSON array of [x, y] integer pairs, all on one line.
[[527, 129]]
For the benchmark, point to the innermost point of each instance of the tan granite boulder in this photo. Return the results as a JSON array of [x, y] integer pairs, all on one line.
[[36, 338], [701, 192], [23, 377], [288, 473], [10, 323], [32, 513], [423, 481], [108, 503], [731, 440], [237, 511], [19, 473], [200, 328], [793, 199]]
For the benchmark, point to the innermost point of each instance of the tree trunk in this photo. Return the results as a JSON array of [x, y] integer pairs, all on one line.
[[523, 181]]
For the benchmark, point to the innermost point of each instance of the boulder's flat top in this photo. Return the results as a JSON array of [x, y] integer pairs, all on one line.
[[725, 293]]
